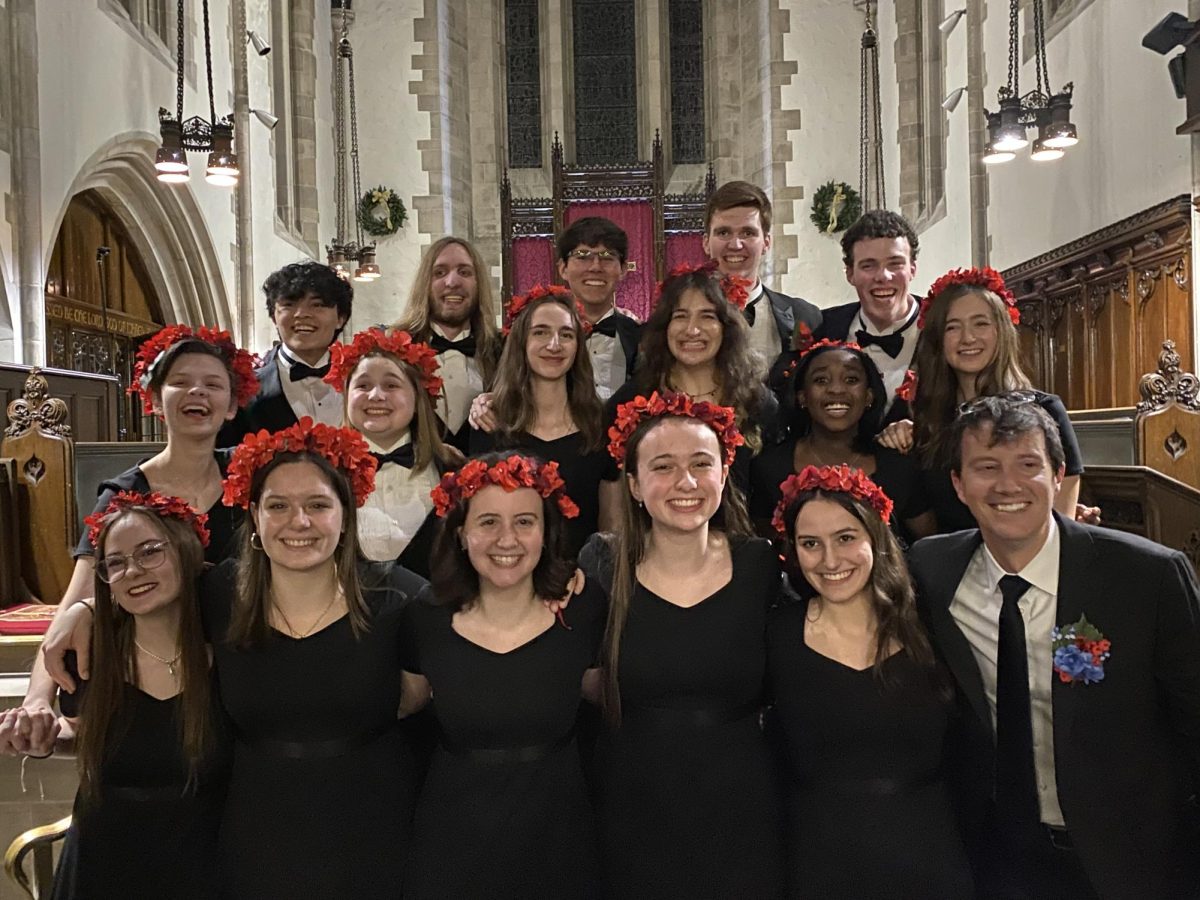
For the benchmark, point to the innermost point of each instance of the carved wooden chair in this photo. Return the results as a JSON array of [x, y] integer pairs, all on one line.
[[37, 847], [1168, 419]]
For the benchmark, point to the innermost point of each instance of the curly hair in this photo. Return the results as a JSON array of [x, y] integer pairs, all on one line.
[[297, 280], [879, 223]]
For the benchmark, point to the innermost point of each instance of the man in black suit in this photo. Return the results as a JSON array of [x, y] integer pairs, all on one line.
[[1074, 780], [309, 305], [880, 255], [737, 233], [591, 260]]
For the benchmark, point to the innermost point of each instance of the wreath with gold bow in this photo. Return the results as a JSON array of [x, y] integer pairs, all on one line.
[[381, 212], [836, 206]]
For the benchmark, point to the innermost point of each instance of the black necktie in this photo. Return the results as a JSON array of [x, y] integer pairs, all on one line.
[[1016, 776], [401, 456], [751, 310], [606, 326], [441, 344], [299, 370], [891, 344]]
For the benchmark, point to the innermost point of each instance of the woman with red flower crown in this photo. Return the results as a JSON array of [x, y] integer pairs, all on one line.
[[969, 348], [862, 710], [195, 381], [689, 798], [390, 384], [545, 401], [307, 644], [503, 811]]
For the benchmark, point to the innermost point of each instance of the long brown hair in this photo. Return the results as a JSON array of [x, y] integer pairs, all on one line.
[[248, 626], [513, 399], [628, 546], [738, 375], [424, 429], [936, 402], [104, 715], [417, 322]]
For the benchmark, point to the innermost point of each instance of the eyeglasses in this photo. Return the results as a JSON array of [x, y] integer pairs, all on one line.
[[586, 256], [146, 557], [990, 401]]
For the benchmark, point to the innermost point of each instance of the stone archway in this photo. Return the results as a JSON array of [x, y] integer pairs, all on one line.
[[8, 345], [165, 224]]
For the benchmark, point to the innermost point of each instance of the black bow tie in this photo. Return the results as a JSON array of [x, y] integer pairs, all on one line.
[[401, 456], [750, 310], [441, 344], [299, 370], [891, 344], [606, 326]]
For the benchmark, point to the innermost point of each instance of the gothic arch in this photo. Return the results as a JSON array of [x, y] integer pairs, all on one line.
[[165, 224]]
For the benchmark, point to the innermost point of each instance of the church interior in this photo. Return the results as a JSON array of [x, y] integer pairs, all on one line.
[[159, 159]]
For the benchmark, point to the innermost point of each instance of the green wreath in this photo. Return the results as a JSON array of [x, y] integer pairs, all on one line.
[[381, 212], [836, 206]]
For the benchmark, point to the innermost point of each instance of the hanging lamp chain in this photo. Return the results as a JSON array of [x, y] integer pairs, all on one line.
[[1039, 46], [1013, 86], [357, 182], [179, 63], [339, 115], [212, 108]]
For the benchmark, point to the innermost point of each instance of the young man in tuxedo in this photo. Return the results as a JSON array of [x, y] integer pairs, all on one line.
[[737, 233], [591, 260], [880, 255], [309, 305], [1073, 782]]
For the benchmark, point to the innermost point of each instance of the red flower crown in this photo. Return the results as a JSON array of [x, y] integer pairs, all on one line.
[[986, 278], [720, 419], [835, 479], [242, 362], [515, 472], [908, 388], [518, 303], [161, 504], [344, 358], [343, 448], [735, 288]]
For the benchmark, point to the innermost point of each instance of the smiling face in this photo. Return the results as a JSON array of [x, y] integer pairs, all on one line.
[[969, 340], [694, 332], [834, 551], [298, 517], [503, 534], [552, 343], [307, 326], [195, 397], [142, 590], [736, 240], [380, 400], [592, 283], [1010, 489], [881, 272], [680, 475], [835, 391], [453, 292]]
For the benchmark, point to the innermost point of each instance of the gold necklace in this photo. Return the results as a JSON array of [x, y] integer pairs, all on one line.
[[169, 663], [671, 387], [296, 634]]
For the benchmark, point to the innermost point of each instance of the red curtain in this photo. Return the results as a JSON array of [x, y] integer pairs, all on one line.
[[636, 290], [533, 263], [684, 249]]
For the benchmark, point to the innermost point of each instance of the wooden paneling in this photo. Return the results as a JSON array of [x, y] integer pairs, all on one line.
[[1094, 312], [91, 399], [1145, 502]]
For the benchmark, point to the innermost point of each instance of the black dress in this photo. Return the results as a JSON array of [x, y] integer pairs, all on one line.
[[689, 794], [144, 834], [504, 811], [323, 784], [896, 473], [952, 514], [581, 473], [869, 814], [223, 521]]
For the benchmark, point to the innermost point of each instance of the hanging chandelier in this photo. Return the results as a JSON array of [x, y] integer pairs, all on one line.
[[870, 124], [347, 253], [1051, 113], [196, 135]]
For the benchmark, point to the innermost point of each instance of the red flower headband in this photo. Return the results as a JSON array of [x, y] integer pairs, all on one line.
[[720, 419], [835, 479], [160, 504], [344, 358], [986, 278], [512, 473], [517, 305], [343, 448], [735, 288], [149, 355]]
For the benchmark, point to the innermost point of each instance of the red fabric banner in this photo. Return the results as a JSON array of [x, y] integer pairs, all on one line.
[[684, 249], [533, 263], [636, 290]]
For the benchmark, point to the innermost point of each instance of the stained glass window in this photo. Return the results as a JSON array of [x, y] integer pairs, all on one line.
[[605, 81], [687, 80], [524, 84]]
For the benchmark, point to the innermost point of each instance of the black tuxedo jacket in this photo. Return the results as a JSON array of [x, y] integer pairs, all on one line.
[[1126, 749], [629, 333], [788, 312], [835, 322], [269, 409]]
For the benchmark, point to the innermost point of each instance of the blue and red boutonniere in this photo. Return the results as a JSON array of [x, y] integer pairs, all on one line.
[[1080, 650]]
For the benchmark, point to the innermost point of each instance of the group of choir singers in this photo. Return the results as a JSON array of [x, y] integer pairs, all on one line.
[[655, 637]]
